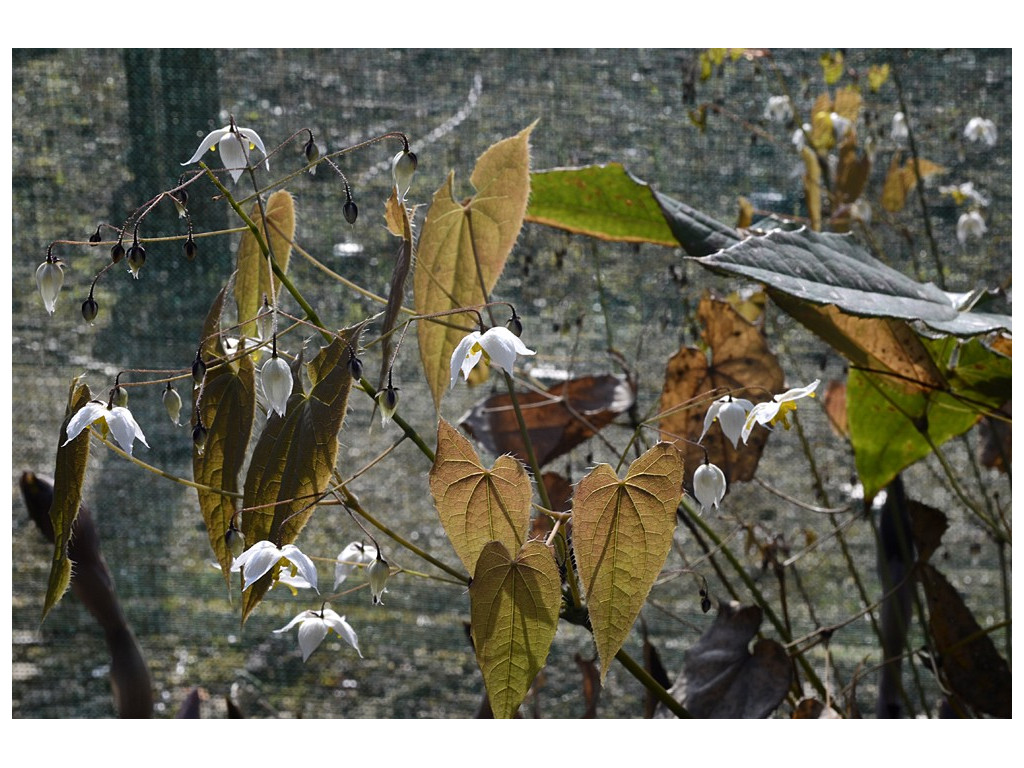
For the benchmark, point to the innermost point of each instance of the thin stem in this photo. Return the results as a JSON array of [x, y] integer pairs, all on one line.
[[651, 684]]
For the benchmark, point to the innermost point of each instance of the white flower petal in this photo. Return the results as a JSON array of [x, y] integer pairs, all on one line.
[[342, 628], [797, 393], [351, 557], [304, 565], [85, 416], [211, 139], [709, 486], [311, 633], [502, 346], [254, 138], [257, 561], [276, 380], [233, 156], [301, 617], [709, 418], [461, 356], [124, 428]]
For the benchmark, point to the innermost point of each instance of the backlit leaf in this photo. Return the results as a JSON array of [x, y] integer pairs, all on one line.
[[901, 180], [398, 224], [463, 248], [514, 605], [478, 505], [622, 533], [253, 280], [812, 187], [68, 479], [291, 465], [832, 66], [877, 75]]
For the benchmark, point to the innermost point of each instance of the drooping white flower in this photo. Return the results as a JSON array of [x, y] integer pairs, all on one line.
[[800, 136], [779, 109], [172, 403], [377, 573], [981, 129], [314, 626], [860, 210], [962, 193], [840, 126], [117, 419], [49, 279], [730, 412], [262, 556], [900, 130], [234, 149], [776, 409], [970, 224], [354, 555], [276, 380], [498, 346], [709, 486], [387, 401], [403, 166]]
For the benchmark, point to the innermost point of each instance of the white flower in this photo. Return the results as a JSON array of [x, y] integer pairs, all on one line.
[[776, 409], [840, 126], [377, 573], [779, 109], [800, 136], [258, 559], [234, 150], [314, 626], [294, 583], [860, 210], [731, 412], [708, 486], [981, 129], [49, 279], [970, 225], [172, 402], [403, 166], [964, 192], [899, 130], [351, 557], [387, 401], [276, 380], [498, 346], [118, 420]]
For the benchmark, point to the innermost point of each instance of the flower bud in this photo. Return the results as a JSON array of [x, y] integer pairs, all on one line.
[[198, 368], [199, 437], [377, 574], [95, 237], [355, 367], [191, 249], [116, 252], [276, 378], [312, 152], [49, 279], [89, 309], [387, 399], [235, 541], [180, 200], [136, 258], [120, 396], [515, 325], [172, 402], [403, 166], [265, 320], [351, 212]]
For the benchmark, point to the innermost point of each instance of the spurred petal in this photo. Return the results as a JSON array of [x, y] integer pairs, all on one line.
[[233, 156], [462, 356], [709, 418], [301, 617], [211, 138], [254, 138], [85, 416], [124, 428], [345, 632], [794, 394], [502, 346], [257, 561], [311, 633], [304, 565]]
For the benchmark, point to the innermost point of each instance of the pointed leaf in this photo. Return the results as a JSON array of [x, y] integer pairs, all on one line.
[[812, 187], [68, 479], [228, 409], [514, 606], [397, 218], [478, 505], [602, 201], [292, 462], [253, 280], [697, 233], [622, 533], [463, 248], [740, 361]]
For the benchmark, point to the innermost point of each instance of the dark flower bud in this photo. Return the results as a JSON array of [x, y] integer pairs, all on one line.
[[190, 249], [136, 258], [89, 309], [705, 604], [351, 212], [119, 396], [199, 438], [515, 325], [355, 367], [116, 252], [198, 368], [95, 237], [311, 150]]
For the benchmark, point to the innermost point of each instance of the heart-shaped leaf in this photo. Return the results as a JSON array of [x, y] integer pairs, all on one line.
[[514, 606], [478, 505], [463, 247], [622, 533]]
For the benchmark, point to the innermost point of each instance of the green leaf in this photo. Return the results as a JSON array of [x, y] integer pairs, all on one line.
[[294, 457], [622, 533], [602, 201], [463, 248], [253, 279], [68, 479], [514, 606], [826, 268], [478, 505], [887, 423], [228, 409]]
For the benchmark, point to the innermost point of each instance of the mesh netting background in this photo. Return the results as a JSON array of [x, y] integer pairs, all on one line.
[[97, 133]]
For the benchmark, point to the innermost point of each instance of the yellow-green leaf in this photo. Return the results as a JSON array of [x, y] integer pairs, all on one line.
[[253, 280], [514, 606], [832, 66], [68, 478], [478, 505], [877, 75], [812, 187], [463, 248], [294, 457], [228, 408], [622, 533]]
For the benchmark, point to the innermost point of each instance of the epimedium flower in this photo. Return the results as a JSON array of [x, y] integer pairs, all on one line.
[[172, 403], [262, 556], [900, 130], [709, 486], [377, 573], [498, 346], [730, 412], [354, 555], [403, 166], [962, 193], [981, 129], [116, 419], [840, 126], [777, 409], [387, 400], [234, 149], [49, 279], [314, 626], [970, 224], [276, 380], [800, 135], [778, 109]]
